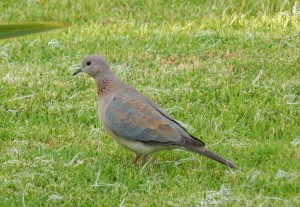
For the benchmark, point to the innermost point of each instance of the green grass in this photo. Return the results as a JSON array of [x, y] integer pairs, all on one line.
[[230, 70]]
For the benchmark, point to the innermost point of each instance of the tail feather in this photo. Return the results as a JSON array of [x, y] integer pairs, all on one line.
[[205, 152]]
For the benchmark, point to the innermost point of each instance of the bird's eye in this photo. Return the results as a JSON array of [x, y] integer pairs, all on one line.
[[88, 63]]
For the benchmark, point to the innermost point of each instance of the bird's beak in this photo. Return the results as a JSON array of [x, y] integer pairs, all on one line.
[[77, 71]]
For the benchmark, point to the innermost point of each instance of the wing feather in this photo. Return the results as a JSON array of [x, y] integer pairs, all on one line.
[[137, 119]]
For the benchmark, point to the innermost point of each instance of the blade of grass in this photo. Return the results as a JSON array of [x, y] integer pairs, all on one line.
[[16, 30]]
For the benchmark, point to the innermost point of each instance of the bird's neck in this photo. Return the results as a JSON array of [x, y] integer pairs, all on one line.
[[106, 84]]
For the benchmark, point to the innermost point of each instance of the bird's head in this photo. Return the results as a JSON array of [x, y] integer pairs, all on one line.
[[93, 65]]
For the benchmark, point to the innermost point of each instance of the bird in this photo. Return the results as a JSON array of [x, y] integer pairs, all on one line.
[[136, 122]]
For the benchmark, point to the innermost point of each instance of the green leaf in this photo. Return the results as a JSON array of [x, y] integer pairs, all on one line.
[[16, 30]]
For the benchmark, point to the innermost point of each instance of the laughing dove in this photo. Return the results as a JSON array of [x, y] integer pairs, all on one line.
[[134, 121]]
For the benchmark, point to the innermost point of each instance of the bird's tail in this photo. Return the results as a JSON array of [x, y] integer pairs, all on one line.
[[205, 152]]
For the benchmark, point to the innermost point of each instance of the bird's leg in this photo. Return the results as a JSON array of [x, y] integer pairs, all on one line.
[[144, 159], [136, 158]]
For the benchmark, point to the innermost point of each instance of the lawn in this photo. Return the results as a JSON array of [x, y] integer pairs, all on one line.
[[229, 70]]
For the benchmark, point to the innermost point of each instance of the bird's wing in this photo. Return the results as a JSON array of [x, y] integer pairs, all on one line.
[[189, 139], [134, 117]]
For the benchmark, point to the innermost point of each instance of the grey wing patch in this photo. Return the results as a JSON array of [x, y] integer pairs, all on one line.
[[117, 117], [133, 118]]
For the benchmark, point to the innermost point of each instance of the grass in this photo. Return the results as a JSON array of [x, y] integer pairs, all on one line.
[[228, 69]]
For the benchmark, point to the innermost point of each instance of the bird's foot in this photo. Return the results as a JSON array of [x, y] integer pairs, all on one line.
[[136, 158], [145, 157]]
